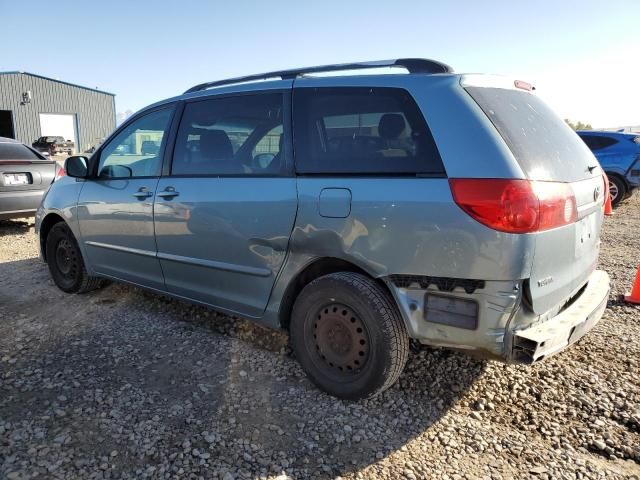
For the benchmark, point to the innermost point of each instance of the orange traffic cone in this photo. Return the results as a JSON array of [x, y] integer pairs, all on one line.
[[608, 208], [634, 296]]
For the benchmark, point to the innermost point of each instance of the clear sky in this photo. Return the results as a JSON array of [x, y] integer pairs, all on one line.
[[583, 56]]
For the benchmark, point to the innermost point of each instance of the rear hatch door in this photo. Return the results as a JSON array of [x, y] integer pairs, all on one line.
[[548, 150], [21, 168]]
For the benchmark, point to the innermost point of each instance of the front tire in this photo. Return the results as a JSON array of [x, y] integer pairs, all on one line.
[[348, 336], [617, 189], [65, 262]]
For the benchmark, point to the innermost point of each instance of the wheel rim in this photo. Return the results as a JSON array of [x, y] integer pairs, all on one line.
[[613, 190], [341, 340], [66, 259]]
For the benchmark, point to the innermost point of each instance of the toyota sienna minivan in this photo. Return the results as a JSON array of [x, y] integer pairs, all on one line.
[[355, 211]]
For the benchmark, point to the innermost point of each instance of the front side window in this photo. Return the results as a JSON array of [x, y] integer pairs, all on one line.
[[136, 150], [357, 130], [231, 136]]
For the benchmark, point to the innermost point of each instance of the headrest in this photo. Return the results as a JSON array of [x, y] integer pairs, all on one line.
[[216, 145], [391, 125]]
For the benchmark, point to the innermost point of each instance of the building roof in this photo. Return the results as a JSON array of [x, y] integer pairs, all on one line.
[[57, 81]]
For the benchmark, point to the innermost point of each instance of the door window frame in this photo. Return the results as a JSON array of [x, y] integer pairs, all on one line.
[[287, 125], [94, 160]]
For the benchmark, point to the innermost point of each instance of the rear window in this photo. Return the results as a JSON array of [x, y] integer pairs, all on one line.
[[542, 143], [597, 142], [355, 130], [16, 151]]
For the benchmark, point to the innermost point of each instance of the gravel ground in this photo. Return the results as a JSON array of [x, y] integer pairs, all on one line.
[[121, 383]]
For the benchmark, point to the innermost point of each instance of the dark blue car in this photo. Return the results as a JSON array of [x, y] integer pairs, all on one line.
[[619, 155]]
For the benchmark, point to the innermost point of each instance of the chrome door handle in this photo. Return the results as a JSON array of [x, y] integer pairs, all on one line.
[[168, 192], [143, 193]]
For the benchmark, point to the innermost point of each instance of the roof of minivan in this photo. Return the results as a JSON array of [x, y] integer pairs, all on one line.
[[282, 79], [411, 65], [397, 80], [390, 79]]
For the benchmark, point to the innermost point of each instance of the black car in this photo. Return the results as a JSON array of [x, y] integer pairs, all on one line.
[[149, 147], [54, 145], [25, 175]]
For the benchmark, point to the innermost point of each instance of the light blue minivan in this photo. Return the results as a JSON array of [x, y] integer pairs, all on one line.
[[355, 211]]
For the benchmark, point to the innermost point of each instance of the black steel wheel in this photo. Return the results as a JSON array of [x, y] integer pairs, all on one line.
[[341, 339], [348, 335], [65, 262]]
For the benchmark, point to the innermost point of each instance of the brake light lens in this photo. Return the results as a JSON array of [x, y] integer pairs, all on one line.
[[59, 172], [606, 195], [523, 85], [515, 206]]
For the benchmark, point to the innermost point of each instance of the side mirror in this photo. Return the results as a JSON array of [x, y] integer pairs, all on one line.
[[77, 166]]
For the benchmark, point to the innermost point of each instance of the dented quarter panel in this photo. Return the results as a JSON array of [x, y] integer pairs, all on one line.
[[410, 226]]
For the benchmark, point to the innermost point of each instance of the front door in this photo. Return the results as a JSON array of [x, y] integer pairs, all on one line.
[[224, 215], [115, 209]]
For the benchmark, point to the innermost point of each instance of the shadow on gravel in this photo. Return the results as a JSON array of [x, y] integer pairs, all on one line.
[[169, 385], [15, 227]]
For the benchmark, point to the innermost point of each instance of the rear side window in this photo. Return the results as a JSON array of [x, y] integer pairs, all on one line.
[[355, 130], [542, 143], [597, 142], [240, 135], [16, 151]]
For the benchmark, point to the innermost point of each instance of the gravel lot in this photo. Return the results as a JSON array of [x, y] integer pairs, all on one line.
[[121, 383]]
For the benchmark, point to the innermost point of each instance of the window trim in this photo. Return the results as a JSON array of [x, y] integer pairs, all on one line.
[[442, 174], [287, 126], [94, 160], [601, 139]]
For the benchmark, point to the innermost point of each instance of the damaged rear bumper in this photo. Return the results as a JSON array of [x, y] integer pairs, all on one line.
[[499, 326], [543, 339]]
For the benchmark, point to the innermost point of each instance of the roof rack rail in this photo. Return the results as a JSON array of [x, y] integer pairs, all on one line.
[[413, 65]]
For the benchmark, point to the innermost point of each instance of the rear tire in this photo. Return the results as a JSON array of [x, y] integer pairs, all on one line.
[[65, 262], [348, 336], [617, 189]]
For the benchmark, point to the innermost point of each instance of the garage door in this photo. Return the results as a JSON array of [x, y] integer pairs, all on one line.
[[59, 125]]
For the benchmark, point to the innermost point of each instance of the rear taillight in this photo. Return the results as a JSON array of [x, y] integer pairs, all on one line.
[[515, 206], [523, 85], [59, 172], [606, 195]]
